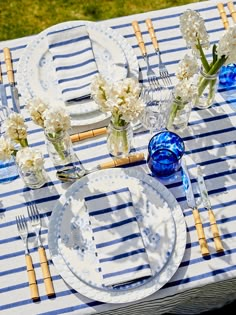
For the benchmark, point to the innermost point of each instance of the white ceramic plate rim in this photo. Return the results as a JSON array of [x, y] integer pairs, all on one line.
[[137, 293], [25, 60]]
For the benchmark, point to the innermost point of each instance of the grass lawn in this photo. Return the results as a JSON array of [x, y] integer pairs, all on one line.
[[20, 18]]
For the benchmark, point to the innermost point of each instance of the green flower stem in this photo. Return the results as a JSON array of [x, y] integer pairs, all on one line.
[[203, 82], [24, 143], [57, 145], [175, 108], [119, 135]]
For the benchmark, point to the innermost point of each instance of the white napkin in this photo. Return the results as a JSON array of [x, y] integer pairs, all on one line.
[[73, 60], [120, 248]]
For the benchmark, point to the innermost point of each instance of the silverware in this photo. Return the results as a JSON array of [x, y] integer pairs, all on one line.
[[232, 10], [10, 75], [192, 204], [88, 134], [207, 205], [71, 174], [23, 231], [152, 77], [164, 74], [36, 225], [3, 95], [223, 15]]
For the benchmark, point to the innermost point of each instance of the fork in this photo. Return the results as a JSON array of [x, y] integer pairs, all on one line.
[[152, 77], [164, 74], [23, 232], [36, 225]]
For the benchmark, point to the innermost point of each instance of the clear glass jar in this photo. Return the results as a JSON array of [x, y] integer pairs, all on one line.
[[30, 167], [207, 88], [60, 148], [179, 114], [119, 139], [33, 178]]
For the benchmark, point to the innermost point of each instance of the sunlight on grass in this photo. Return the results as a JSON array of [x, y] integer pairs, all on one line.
[[27, 17]]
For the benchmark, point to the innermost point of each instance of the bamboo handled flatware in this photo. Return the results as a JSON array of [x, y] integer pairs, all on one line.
[[36, 225], [196, 215], [164, 74], [223, 15], [11, 80], [206, 203], [70, 174], [23, 232]]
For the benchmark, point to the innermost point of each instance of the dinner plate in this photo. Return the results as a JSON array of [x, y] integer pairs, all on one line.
[[114, 56], [145, 191], [75, 235]]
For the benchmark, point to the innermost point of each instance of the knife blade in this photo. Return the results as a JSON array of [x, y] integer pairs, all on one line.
[[192, 204], [3, 95], [10, 75], [207, 205]]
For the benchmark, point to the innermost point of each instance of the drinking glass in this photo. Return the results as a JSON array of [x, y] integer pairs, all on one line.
[[156, 108], [227, 75], [8, 169], [165, 150]]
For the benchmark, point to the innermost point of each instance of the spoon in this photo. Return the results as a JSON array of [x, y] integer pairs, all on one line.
[[73, 173]]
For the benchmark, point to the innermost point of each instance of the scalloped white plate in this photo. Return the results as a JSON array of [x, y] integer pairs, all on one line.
[[148, 193], [114, 56]]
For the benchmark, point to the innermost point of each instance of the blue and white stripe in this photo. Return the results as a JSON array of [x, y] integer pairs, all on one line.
[[73, 60], [198, 284], [120, 249]]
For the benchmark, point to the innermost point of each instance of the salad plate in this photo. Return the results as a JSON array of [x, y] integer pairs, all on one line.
[[161, 224]]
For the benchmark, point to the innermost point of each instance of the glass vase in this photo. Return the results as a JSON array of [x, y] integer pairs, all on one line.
[[119, 139], [179, 114], [33, 178], [207, 88], [59, 147]]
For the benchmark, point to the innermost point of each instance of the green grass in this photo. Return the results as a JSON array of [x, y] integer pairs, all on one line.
[[19, 18]]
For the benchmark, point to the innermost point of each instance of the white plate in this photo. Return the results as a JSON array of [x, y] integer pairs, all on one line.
[[75, 236], [142, 186], [114, 56]]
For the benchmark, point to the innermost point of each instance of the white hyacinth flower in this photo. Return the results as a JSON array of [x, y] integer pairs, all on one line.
[[56, 119], [121, 98], [36, 108], [16, 129], [192, 27], [29, 159], [185, 90], [6, 149], [227, 45], [187, 67], [99, 90]]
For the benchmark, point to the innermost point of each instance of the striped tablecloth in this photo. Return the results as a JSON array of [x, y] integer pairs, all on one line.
[[199, 284]]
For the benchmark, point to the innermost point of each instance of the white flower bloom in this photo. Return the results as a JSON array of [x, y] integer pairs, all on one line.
[[227, 45], [29, 159], [186, 90], [187, 67], [120, 98], [56, 119], [193, 28], [99, 90], [16, 128], [36, 108], [6, 149]]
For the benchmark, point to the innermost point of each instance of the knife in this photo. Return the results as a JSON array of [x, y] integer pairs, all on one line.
[[3, 95], [192, 204], [10, 75], [207, 205]]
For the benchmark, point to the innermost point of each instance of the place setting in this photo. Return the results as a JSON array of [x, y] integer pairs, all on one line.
[[130, 207]]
